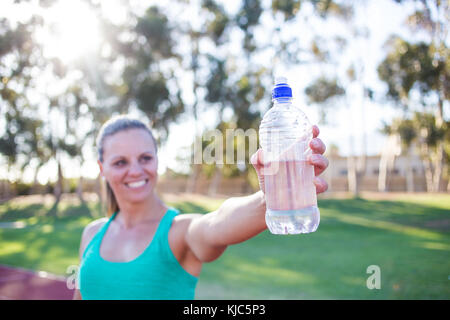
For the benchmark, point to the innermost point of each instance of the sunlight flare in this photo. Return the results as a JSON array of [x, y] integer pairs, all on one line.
[[73, 31]]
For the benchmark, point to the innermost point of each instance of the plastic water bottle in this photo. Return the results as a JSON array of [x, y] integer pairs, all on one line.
[[284, 134]]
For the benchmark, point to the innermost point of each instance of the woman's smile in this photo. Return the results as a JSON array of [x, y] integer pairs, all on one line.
[[137, 184]]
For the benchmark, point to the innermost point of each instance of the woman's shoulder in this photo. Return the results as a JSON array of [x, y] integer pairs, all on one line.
[[90, 230], [183, 220], [180, 225], [94, 226]]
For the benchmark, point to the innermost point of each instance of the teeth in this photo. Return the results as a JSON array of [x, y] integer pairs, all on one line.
[[136, 184]]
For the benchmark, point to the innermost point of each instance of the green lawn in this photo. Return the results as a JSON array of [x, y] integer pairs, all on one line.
[[407, 238]]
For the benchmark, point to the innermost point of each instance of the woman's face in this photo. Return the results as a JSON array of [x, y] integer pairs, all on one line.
[[130, 164]]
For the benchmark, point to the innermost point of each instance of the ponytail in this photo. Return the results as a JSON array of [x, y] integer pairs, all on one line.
[[111, 202]]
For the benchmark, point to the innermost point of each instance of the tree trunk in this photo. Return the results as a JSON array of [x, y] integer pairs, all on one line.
[[382, 173], [409, 169], [35, 187], [351, 174], [383, 166], [427, 166], [58, 190], [80, 189], [192, 180], [7, 189], [362, 160], [351, 163], [438, 166], [9, 192], [391, 150], [3, 192], [439, 162]]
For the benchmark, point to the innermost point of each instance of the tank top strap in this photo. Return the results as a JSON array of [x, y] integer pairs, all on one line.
[[103, 229], [97, 239], [161, 238], [166, 221]]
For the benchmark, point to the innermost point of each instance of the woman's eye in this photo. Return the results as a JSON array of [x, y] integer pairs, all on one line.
[[147, 158], [120, 163]]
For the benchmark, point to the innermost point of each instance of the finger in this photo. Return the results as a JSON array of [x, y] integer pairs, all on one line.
[[319, 162], [257, 159], [315, 131], [317, 146], [321, 185]]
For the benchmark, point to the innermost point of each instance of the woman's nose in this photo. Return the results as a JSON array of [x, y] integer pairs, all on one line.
[[135, 169]]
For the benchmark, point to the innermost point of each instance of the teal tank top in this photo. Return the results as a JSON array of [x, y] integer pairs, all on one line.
[[154, 275]]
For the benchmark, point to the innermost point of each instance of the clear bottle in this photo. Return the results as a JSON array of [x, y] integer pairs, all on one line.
[[284, 134]]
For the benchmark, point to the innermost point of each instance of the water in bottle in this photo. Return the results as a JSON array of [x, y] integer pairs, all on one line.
[[284, 134]]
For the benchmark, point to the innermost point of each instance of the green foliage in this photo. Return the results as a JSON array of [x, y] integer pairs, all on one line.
[[289, 8], [408, 65], [249, 14], [216, 85], [421, 128], [407, 131], [419, 73], [426, 124], [323, 89], [154, 27], [326, 7], [151, 94], [217, 26], [324, 92]]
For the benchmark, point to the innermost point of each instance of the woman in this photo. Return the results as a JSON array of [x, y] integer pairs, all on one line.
[[145, 249]]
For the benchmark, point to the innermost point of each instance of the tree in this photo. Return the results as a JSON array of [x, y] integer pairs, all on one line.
[[324, 92], [411, 67], [227, 86], [17, 57], [420, 135], [93, 91], [333, 89], [214, 29], [145, 81], [422, 68]]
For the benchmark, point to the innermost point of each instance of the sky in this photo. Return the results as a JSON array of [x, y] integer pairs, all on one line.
[[382, 18]]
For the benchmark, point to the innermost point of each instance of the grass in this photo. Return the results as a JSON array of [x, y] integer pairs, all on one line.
[[407, 237]]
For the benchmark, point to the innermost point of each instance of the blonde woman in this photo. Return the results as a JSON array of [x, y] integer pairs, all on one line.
[[144, 249]]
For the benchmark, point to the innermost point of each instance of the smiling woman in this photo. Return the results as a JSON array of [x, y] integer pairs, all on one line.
[[144, 249], [72, 31]]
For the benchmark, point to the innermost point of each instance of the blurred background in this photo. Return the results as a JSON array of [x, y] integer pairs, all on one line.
[[373, 75]]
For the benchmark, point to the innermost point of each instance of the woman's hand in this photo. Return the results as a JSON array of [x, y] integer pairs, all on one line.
[[316, 159]]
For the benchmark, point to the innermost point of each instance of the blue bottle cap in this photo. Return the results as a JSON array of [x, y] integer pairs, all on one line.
[[281, 89]]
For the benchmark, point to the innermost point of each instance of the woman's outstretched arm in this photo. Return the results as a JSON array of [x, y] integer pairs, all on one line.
[[237, 219], [241, 218]]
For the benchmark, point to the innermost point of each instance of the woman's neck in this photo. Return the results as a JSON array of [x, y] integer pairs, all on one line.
[[134, 213]]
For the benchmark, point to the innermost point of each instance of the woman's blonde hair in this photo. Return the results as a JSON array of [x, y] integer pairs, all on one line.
[[109, 128]]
